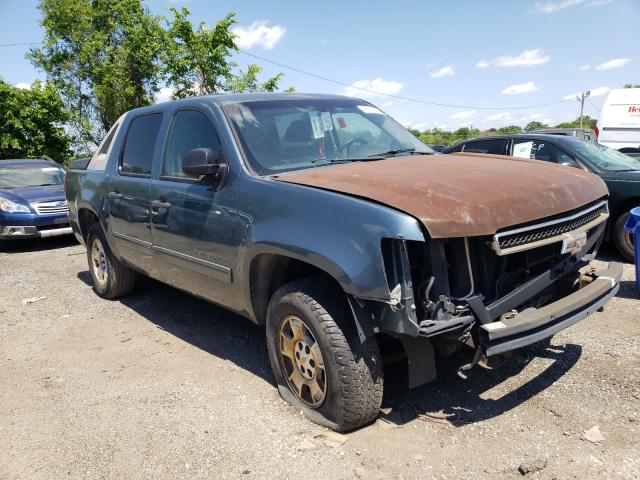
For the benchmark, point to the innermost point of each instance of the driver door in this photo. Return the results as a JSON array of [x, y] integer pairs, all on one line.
[[194, 226]]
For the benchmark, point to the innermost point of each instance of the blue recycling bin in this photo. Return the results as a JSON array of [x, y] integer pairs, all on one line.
[[633, 226]]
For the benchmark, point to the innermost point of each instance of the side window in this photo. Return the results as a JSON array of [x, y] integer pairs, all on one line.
[[190, 129], [538, 150], [494, 146], [137, 154]]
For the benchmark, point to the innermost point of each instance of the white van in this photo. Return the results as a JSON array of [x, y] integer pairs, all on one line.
[[619, 122]]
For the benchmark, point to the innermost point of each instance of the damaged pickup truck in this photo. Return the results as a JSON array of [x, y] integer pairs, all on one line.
[[325, 220]]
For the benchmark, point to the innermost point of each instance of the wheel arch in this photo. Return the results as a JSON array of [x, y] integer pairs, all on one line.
[[86, 218], [268, 271]]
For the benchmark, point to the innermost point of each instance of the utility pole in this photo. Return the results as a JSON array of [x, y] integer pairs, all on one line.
[[580, 97]]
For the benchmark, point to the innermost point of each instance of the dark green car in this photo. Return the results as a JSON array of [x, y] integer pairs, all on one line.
[[620, 172]]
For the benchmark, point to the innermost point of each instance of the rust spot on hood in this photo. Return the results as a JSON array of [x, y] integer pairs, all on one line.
[[461, 195]]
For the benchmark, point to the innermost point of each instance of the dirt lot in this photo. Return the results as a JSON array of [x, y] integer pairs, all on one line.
[[161, 385]]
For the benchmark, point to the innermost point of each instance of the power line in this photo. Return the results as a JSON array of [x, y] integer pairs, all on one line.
[[594, 105], [398, 97], [344, 84]]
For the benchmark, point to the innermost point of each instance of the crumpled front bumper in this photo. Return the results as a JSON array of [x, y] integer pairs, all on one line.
[[535, 324]]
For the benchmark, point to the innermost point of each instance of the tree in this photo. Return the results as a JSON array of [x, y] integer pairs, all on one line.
[[109, 56], [197, 62], [103, 56], [587, 122], [631, 85], [510, 129], [31, 123], [535, 126]]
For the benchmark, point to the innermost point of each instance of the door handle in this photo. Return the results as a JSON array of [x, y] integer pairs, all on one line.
[[115, 195], [160, 204]]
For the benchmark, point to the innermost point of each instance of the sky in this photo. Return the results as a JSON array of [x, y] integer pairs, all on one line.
[[483, 57]]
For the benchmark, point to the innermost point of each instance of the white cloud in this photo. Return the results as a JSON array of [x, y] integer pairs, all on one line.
[[497, 117], [164, 95], [614, 63], [537, 116], [444, 72], [584, 67], [258, 33], [520, 88], [594, 92], [463, 115], [23, 86], [598, 92], [553, 7], [377, 87], [527, 58]]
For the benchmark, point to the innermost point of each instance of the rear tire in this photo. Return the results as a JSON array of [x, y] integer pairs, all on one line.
[[323, 369], [622, 239], [111, 279]]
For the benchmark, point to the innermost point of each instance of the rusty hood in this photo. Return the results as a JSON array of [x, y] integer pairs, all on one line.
[[460, 195]]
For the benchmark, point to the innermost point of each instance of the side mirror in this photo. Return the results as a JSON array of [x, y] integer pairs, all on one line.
[[571, 163], [201, 162]]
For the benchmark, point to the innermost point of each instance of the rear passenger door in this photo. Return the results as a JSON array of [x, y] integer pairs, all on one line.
[[495, 146], [194, 225], [128, 195]]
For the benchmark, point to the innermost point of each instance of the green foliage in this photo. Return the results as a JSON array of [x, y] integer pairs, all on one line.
[[631, 85], [103, 56], [31, 123], [109, 56], [197, 62], [587, 122], [510, 129], [535, 126], [436, 136]]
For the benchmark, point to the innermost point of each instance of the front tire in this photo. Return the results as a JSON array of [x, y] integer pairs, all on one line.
[[111, 279], [622, 239], [319, 363]]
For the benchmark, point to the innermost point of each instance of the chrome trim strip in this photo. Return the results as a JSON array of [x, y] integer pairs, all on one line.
[[495, 245], [137, 241], [210, 269]]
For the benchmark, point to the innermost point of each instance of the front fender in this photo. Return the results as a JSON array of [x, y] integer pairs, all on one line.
[[339, 234]]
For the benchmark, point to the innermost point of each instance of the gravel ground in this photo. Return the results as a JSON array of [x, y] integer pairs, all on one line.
[[162, 385]]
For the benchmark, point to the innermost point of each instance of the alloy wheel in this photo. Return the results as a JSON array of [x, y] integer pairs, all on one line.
[[302, 361]]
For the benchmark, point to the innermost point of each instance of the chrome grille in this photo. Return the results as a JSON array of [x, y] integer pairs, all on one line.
[[51, 208], [550, 231]]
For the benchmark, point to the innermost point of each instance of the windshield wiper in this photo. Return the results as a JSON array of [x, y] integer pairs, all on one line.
[[396, 151], [347, 160]]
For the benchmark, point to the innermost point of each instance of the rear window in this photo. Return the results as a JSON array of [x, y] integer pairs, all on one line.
[[139, 146]]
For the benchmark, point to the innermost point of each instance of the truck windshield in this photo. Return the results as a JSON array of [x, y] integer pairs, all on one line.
[[605, 158], [283, 135], [16, 177]]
